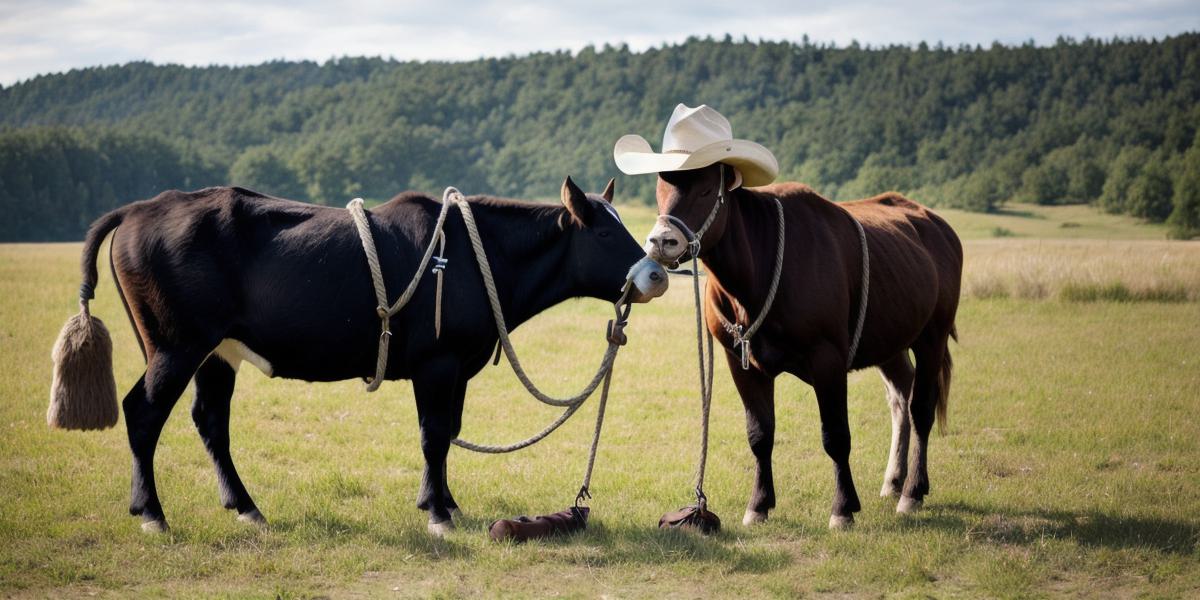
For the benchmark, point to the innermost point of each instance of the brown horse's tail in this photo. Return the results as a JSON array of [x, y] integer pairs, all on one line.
[[943, 399], [83, 394]]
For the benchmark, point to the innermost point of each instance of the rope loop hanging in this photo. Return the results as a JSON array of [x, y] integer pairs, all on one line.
[[452, 197]]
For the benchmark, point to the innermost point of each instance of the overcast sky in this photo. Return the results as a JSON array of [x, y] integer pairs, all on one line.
[[46, 36]]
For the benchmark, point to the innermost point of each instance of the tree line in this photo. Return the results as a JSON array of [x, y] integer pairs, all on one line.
[[1109, 122]]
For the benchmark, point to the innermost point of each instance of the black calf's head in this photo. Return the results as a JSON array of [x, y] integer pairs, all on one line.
[[604, 256]]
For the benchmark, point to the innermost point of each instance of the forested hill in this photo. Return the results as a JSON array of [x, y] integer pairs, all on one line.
[[1111, 122]]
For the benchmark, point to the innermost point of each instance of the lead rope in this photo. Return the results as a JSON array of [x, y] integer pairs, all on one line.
[[742, 336], [706, 384]]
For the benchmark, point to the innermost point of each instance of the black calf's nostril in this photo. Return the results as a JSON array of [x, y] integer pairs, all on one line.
[[655, 277]]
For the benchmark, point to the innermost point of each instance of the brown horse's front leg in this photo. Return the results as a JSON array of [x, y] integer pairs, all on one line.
[[835, 436], [757, 390]]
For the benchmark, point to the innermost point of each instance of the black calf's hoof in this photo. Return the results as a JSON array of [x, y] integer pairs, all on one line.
[[442, 529], [841, 523], [155, 526], [253, 517]]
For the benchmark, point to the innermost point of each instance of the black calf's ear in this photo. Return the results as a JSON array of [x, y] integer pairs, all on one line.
[[607, 194], [576, 202]]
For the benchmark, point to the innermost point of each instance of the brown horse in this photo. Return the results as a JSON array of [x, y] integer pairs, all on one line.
[[915, 267]]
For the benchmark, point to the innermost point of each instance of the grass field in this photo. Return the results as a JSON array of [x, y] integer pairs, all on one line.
[[1069, 468]]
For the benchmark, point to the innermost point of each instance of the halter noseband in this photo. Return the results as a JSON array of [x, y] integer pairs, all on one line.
[[693, 238]]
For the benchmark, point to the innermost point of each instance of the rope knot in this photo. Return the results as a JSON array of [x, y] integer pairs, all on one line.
[[382, 311]]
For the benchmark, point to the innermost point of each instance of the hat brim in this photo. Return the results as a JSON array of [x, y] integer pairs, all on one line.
[[758, 166]]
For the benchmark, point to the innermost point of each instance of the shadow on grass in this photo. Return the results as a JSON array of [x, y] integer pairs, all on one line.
[[639, 544], [1088, 528], [325, 526]]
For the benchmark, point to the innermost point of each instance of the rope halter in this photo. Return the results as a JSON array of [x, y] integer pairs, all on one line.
[[694, 239]]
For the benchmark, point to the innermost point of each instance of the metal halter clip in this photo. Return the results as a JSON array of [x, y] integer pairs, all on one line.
[[439, 264], [743, 348], [584, 494]]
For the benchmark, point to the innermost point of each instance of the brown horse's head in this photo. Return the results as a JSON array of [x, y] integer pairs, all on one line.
[[691, 213], [605, 255]]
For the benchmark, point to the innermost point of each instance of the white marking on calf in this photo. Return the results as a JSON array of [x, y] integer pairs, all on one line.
[[612, 210], [233, 352]]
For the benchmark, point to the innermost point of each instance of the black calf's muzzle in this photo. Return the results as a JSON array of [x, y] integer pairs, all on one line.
[[648, 280]]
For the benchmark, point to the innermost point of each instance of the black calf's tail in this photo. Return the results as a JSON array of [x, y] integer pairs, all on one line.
[[83, 394]]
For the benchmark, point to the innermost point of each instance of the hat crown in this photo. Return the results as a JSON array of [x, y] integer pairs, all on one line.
[[691, 129]]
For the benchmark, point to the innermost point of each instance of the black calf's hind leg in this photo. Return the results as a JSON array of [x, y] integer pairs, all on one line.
[[147, 407], [210, 413], [758, 397], [439, 412], [835, 436]]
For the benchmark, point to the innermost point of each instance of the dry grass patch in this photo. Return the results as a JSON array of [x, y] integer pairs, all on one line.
[[1083, 270]]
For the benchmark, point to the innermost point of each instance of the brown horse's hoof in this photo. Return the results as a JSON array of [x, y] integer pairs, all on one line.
[[155, 526], [252, 517], [908, 506], [841, 523], [752, 518]]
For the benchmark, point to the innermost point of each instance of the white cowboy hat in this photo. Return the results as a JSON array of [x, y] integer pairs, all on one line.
[[697, 137]]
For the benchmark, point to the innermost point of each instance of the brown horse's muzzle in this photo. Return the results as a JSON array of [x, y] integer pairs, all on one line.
[[665, 244], [649, 280]]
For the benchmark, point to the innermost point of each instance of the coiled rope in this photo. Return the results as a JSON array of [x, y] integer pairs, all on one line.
[[450, 197]]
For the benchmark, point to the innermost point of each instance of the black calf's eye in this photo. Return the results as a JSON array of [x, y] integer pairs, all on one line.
[[603, 233]]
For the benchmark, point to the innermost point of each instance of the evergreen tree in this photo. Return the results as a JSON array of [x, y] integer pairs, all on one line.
[[1185, 215]]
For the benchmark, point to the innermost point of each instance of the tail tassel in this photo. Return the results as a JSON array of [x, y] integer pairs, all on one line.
[[83, 394]]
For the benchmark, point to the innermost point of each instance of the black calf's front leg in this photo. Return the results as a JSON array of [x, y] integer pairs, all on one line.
[[210, 413], [758, 397], [439, 397]]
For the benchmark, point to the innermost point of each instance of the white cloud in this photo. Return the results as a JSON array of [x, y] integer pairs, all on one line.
[[56, 35]]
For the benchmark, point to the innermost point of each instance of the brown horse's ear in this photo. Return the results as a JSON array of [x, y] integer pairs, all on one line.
[[737, 180], [607, 194], [576, 202]]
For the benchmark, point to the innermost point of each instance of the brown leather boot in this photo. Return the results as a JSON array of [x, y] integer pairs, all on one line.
[[691, 517], [523, 528]]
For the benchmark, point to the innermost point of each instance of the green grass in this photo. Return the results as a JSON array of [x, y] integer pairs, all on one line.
[[1069, 468]]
